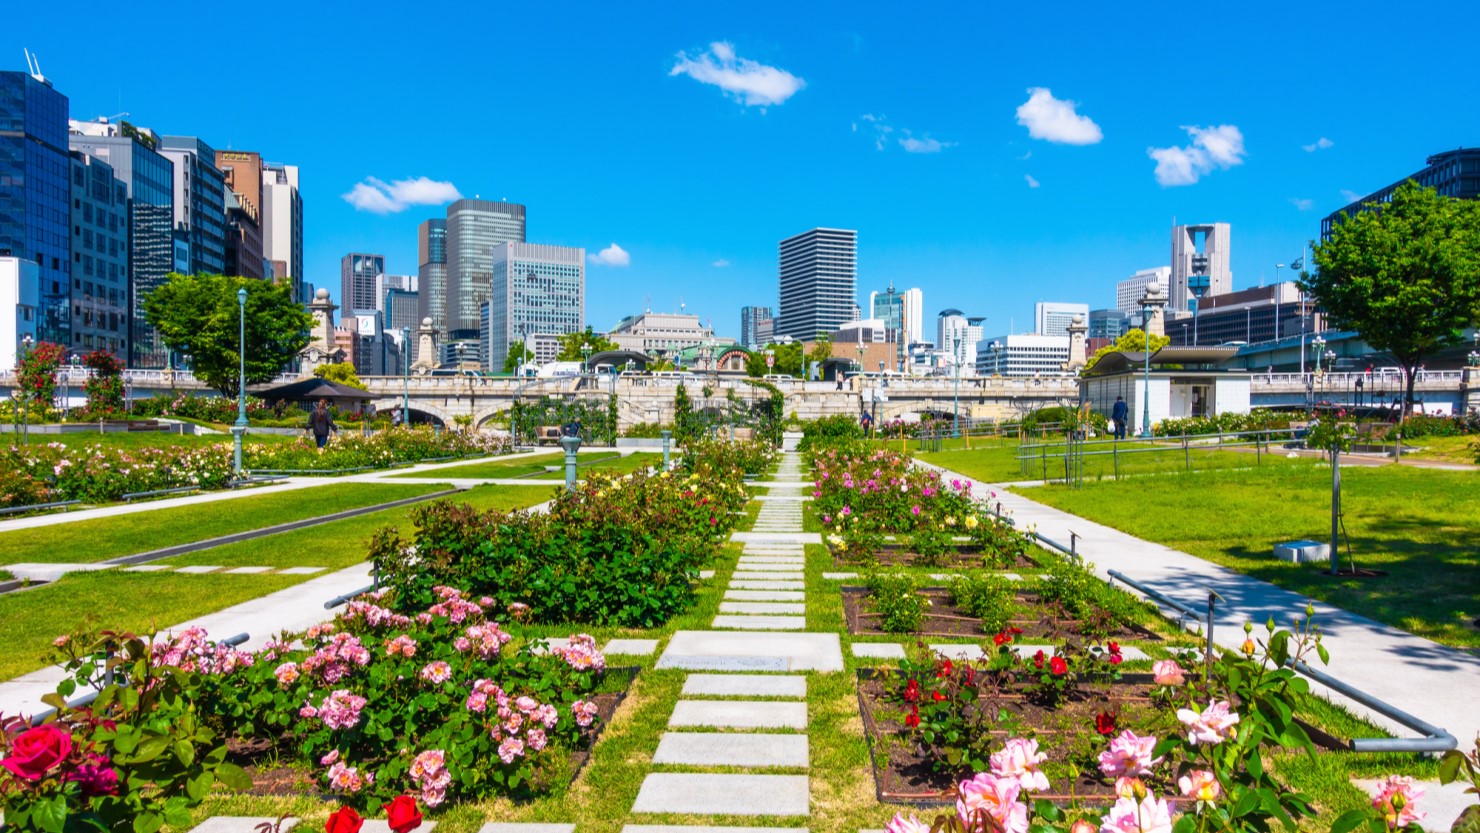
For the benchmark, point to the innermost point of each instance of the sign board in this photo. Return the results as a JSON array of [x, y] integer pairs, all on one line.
[[770, 361]]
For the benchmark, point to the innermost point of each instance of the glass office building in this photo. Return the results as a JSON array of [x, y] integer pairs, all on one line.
[[1453, 173], [200, 203], [536, 289], [35, 194], [431, 273], [474, 229], [99, 258]]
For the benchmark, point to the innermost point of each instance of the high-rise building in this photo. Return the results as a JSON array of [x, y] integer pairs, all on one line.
[[765, 332], [35, 195], [1022, 355], [431, 271], [150, 179], [534, 289], [818, 282], [1263, 313], [18, 312], [901, 313], [1199, 264], [200, 203], [385, 283], [1453, 173], [357, 280], [99, 257], [1128, 293], [750, 317], [282, 226], [474, 229], [1053, 319], [371, 346], [243, 239], [1106, 324], [401, 310], [958, 336]]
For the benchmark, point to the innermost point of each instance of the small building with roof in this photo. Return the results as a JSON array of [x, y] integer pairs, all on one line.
[[1182, 382]]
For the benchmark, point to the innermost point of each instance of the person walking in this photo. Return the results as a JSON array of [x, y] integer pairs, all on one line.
[[1119, 414], [321, 423]]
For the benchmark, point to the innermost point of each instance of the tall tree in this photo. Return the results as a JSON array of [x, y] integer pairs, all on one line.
[[1405, 275], [197, 314], [788, 360], [516, 356], [1131, 341], [342, 373], [821, 351], [570, 345]]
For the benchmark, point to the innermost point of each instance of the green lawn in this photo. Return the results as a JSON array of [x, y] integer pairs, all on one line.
[[141, 439], [988, 463], [1446, 449], [630, 463], [997, 462], [496, 468], [104, 538], [1420, 525]]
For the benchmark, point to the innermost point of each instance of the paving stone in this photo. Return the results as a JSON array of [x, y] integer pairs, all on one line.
[[147, 568], [730, 685], [241, 824], [763, 607], [777, 537], [516, 827], [753, 575], [944, 576], [761, 623], [787, 552], [879, 650], [199, 569], [706, 574], [745, 584], [716, 749], [631, 647], [839, 576], [51, 572], [704, 828], [765, 595], [247, 571], [770, 564], [727, 795], [301, 571], [717, 650]]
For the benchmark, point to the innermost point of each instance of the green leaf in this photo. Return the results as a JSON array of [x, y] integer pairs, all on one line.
[[50, 814], [234, 777], [147, 822], [1350, 820], [1246, 803], [1449, 766]]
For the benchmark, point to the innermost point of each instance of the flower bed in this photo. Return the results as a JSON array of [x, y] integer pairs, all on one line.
[[31, 474], [347, 450], [714, 457], [853, 550], [947, 613]]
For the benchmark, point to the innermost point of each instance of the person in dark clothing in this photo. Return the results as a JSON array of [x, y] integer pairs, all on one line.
[[1119, 414], [320, 423]]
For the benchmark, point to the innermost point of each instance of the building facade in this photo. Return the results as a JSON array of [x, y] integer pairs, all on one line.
[[1027, 354], [474, 229], [1128, 293], [750, 319], [431, 271], [1053, 319], [35, 195], [959, 336], [100, 248], [818, 282], [402, 309], [669, 332], [534, 289], [282, 227], [901, 313], [1199, 264], [19, 308], [1453, 173], [1249, 316], [358, 277], [199, 203], [243, 239], [1107, 324]]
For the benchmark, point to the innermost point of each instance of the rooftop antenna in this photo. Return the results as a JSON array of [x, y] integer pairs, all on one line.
[[33, 66]]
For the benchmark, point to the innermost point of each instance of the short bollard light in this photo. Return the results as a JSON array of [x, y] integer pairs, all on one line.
[[667, 436], [571, 446]]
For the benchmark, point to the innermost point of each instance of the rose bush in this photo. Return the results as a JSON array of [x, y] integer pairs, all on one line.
[[99, 473], [382, 449]]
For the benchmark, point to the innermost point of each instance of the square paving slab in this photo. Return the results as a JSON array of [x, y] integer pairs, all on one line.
[[536, 827], [765, 595], [753, 650], [792, 608], [148, 568], [631, 647], [777, 537], [729, 795], [878, 650], [761, 622], [247, 571], [240, 824], [383, 826], [750, 584], [716, 749], [301, 571], [749, 575], [723, 685], [201, 568]]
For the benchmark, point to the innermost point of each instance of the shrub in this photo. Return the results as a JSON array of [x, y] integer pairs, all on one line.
[[893, 596], [99, 473], [347, 450], [104, 388], [828, 431], [987, 597]]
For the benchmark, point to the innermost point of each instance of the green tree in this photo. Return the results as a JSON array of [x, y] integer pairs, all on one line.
[[517, 355], [683, 415], [1132, 341], [342, 373], [570, 345], [197, 314], [821, 351], [788, 360], [1405, 275]]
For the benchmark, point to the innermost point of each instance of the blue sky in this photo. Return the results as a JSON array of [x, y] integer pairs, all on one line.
[[913, 124]]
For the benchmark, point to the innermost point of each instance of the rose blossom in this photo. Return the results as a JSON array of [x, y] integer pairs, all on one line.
[[286, 673], [1129, 755], [35, 752], [997, 797], [1201, 785], [1019, 759], [536, 739], [1152, 815], [436, 672], [1397, 799], [900, 824], [1213, 726], [510, 749], [584, 711], [1167, 672]]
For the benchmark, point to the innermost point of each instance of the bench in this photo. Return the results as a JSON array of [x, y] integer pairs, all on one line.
[[547, 433]]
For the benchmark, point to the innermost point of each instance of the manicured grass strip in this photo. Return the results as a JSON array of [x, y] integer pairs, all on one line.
[[1420, 525], [630, 463], [103, 538], [142, 439], [494, 470], [997, 462], [115, 600]]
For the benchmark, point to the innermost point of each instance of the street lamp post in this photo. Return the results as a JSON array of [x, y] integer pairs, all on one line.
[[996, 347], [1146, 392], [240, 428], [956, 402], [585, 357], [406, 376]]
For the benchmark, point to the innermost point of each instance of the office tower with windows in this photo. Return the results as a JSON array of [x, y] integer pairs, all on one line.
[[1199, 264], [431, 272], [242, 185], [535, 289], [750, 317], [474, 229], [1106, 325], [358, 274], [150, 179], [818, 282], [200, 203], [1053, 319], [99, 257], [1128, 293], [1453, 173], [282, 226], [958, 336], [401, 310], [35, 195], [901, 313]]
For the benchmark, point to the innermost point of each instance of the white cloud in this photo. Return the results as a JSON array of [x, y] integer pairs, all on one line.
[[721, 263], [612, 255], [751, 83], [1032, 183], [1212, 147], [1054, 120], [379, 197], [1302, 204], [1351, 196], [1025, 157], [911, 144], [881, 130], [1320, 144], [925, 145]]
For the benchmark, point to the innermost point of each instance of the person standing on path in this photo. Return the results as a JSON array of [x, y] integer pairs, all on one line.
[[320, 423], [1119, 415]]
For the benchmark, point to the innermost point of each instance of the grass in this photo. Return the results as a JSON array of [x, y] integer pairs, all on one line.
[[103, 538], [1420, 525], [495, 469], [997, 461], [1463, 449], [630, 463], [142, 439]]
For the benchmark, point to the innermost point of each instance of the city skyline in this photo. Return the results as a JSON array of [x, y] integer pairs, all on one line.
[[1025, 176]]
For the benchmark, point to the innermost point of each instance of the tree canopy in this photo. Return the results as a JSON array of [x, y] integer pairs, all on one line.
[[570, 344], [821, 351], [341, 373], [788, 360], [197, 314], [1405, 275], [516, 356], [1131, 341]]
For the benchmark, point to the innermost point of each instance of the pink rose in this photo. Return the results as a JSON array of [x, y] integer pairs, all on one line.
[[1167, 672], [1213, 726], [37, 751]]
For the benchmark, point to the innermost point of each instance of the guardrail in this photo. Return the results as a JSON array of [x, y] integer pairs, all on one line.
[[39, 507], [1035, 458], [132, 496]]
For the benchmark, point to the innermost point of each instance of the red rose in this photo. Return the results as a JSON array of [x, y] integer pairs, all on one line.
[[1038, 660], [913, 720], [1058, 666], [946, 668], [402, 814], [1113, 646], [344, 820], [1105, 724], [937, 696], [970, 675], [37, 751], [912, 692], [1001, 639]]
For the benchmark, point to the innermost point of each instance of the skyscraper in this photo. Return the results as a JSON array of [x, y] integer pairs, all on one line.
[[1199, 264], [357, 274], [35, 198], [750, 317], [535, 289], [200, 202], [242, 182], [1053, 319], [282, 226], [100, 257], [1128, 293], [901, 313], [818, 282], [1452, 173], [474, 229], [431, 272], [958, 336]]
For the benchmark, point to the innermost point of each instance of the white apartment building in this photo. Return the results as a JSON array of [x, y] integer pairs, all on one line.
[[18, 299], [951, 325], [1128, 293], [1053, 319], [1027, 354]]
